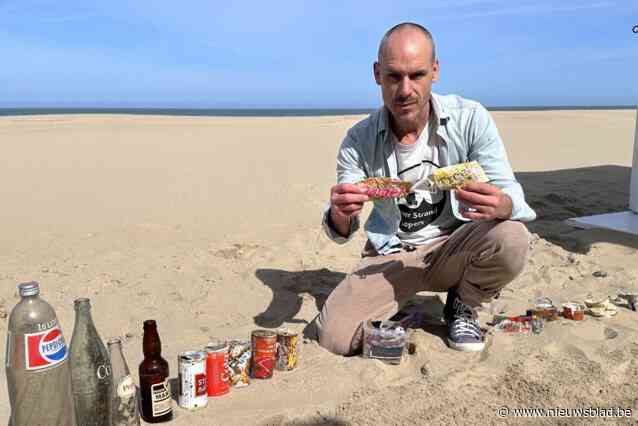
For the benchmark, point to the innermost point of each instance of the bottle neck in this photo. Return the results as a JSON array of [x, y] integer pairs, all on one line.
[[151, 344], [117, 359], [83, 318]]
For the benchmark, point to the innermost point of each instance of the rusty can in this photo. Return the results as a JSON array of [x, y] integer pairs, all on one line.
[[264, 348], [545, 308], [192, 380], [217, 368], [287, 349], [574, 311]]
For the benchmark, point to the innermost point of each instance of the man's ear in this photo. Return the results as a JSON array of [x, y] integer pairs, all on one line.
[[377, 73], [435, 71]]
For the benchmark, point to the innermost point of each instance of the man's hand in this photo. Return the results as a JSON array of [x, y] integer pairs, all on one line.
[[346, 201], [489, 201]]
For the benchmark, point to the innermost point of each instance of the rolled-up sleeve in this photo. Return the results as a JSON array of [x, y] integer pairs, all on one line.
[[487, 148], [349, 170]]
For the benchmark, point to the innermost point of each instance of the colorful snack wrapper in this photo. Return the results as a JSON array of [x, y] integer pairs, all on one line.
[[382, 187], [454, 177]]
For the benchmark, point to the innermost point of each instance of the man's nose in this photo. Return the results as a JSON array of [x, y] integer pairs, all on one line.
[[405, 87]]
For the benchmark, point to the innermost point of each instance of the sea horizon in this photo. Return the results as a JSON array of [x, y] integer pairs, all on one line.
[[266, 112]]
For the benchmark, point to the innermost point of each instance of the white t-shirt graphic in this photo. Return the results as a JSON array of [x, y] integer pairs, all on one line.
[[425, 215]]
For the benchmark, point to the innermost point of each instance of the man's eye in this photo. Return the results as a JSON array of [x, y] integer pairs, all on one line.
[[417, 76]]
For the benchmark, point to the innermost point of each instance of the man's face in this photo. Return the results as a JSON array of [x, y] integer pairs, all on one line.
[[406, 73]]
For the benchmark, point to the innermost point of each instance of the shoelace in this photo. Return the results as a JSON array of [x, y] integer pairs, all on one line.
[[464, 323]]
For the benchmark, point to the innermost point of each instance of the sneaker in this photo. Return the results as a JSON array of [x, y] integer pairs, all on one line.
[[464, 331]]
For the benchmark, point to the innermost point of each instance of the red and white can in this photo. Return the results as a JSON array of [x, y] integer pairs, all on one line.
[[192, 380], [217, 368], [264, 349]]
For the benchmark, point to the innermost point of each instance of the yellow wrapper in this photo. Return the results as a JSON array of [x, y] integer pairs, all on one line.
[[454, 177]]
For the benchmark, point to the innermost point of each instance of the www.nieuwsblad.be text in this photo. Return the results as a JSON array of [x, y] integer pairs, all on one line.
[[591, 412]]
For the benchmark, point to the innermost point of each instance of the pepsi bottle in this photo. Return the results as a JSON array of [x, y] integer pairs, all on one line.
[[37, 366]]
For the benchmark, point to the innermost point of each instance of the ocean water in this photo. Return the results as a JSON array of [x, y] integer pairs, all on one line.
[[259, 112]]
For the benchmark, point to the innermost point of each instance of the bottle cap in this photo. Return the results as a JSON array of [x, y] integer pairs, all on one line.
[[150, 324], [29, 289], [82, 301]]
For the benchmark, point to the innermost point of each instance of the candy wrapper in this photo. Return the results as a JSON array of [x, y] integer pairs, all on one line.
[[379, 188], [521, 324], [239, 353], [454, 177]]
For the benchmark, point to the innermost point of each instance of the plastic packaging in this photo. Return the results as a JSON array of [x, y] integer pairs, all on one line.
[[384, 340]]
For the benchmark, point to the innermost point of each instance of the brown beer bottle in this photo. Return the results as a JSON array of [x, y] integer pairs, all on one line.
[[155, 389]]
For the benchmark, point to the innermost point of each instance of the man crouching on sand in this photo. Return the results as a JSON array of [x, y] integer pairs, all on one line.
[[469, 242]]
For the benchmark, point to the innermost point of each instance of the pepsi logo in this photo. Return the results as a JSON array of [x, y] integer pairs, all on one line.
[[44, 349], [52, 346]]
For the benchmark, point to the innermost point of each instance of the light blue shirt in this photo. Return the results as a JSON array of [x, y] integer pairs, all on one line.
[[465, 132]]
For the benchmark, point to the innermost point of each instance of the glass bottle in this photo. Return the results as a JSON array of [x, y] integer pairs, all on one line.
[[155, 389], [124, 393], [90, 370]]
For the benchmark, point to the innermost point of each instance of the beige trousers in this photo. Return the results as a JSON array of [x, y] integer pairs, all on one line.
[[478, 258]]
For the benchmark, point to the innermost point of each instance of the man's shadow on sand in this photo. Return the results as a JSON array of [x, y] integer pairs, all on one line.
[[289, 287]]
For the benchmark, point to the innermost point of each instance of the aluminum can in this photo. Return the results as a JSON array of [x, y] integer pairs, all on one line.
[[217, 368], [192, 380], [264, 350], [239, 357], [287, 350]]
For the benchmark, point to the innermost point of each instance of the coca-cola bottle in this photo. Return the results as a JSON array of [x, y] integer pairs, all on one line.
[[123, 396], [90, 370], [155, 389], [37, 367]]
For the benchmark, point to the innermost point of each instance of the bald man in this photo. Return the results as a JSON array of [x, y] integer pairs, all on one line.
[[469, 242]]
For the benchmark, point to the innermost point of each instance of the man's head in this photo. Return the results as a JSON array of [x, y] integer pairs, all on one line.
[[405, 70]]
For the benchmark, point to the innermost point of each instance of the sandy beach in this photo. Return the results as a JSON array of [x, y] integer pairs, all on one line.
[[211, 226]]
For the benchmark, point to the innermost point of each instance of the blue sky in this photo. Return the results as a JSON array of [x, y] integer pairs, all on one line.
[[313, 54]]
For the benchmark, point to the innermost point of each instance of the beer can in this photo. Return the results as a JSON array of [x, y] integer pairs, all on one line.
[[217, 368], [264, 347], [287, 349], [192, 380]]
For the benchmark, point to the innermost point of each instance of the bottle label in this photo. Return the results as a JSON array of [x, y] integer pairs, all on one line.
[[126, 388], [44, 349], [161, 398]]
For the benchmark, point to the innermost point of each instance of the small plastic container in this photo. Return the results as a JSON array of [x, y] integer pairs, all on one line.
[[384, 340]]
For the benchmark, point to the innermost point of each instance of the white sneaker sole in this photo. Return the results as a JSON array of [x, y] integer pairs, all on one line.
[[466, 347]]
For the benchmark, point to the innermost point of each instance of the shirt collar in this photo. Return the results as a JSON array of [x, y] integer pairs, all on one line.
[[440, 114]]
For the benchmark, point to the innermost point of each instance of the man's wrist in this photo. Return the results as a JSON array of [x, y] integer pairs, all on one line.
[[506, 207], [337, 226]]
